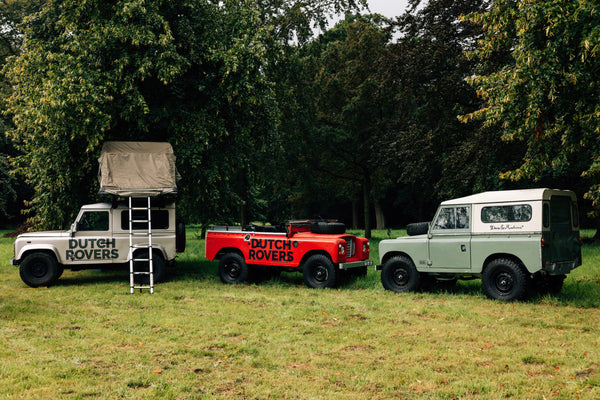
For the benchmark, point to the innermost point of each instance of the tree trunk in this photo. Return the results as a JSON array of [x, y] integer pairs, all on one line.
[[354, 214], [367, 201], [379, 217], [596, 238], [244, 215]]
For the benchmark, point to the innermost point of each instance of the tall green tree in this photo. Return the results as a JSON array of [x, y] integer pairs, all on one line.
[[12, 13], [343, 62], [434, 155], [193, 72], [547, 94]]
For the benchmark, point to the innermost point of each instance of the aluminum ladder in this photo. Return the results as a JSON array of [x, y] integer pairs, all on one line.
[[142, 217]]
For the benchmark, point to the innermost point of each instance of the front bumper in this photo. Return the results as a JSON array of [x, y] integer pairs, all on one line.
[[355, 264]]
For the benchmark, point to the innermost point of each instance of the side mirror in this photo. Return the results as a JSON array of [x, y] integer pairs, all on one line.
[[73, 228]]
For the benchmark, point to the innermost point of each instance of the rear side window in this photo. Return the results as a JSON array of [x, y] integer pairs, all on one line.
[[560, 210], [160, 219], [511, 213]]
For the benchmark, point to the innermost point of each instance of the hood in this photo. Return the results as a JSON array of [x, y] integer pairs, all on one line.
[[44, 234]]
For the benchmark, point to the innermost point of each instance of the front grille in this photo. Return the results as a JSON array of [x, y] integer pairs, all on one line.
[[350, 247]]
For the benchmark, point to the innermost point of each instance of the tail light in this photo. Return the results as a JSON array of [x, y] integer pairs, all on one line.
[[545, 243], [366, 249]]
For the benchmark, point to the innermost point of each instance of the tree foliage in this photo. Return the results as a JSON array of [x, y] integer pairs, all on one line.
[[546, 94], [191, 72]]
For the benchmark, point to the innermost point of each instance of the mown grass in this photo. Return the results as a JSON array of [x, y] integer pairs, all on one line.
[[196, 338]]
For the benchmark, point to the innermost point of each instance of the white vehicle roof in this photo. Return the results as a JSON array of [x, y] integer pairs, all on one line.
[[510, 196], [121, 206]]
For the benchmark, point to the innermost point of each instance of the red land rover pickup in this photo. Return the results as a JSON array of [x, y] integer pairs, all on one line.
[[320, 249]]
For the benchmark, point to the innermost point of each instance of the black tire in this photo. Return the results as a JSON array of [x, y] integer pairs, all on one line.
[[418, 228], [505, 279], [39, 269], [233, 269], [399, 275], [159, 268], [328, 228], [179, 236], [319, 272]]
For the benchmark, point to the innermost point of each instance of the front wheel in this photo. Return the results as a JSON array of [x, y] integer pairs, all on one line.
[[399, 274], [504, 279], [233, 269], [319, 272], [39, 269]]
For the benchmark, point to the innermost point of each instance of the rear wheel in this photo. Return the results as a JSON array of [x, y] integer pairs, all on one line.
[[399, 274], [505, 279], [159, 269], [233, 269], [319, 272], [39, 269]]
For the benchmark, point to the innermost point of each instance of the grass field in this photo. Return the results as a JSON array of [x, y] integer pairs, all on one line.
[[196, 338]]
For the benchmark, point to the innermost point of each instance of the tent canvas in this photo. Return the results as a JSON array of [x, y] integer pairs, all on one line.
[[137, 169]]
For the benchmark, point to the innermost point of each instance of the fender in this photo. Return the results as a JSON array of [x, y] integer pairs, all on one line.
[[33, 248]]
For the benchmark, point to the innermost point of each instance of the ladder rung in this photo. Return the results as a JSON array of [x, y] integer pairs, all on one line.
[[139, 208], [140, 246], [141, 287], [140, 220], [140, 259], [141, 233]]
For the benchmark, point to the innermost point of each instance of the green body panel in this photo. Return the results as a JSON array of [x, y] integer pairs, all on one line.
[[526, 247], [415, 247], [449, 252]]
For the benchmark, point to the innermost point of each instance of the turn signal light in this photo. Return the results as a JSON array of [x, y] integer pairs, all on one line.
[[544, 244]]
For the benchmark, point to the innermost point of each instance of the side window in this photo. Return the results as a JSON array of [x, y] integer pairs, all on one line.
[[546, 215], [512, 213], [93, 221], [452, 218], [462, 218], [575, 213], [160, 219]]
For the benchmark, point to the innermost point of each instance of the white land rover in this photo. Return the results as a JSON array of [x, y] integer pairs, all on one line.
[[512, 240], [99, 237]]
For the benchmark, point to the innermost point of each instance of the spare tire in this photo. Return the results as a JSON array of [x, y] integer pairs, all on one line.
[[418, 228], [328, 228], [179, 236]]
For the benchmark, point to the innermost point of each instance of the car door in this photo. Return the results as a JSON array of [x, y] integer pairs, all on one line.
[[450, 239], [92, 242]]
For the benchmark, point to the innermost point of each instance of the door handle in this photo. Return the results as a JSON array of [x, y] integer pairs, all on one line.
[[463, 248]]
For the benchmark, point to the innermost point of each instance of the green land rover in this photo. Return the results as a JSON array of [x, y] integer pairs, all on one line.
[[513, 240]]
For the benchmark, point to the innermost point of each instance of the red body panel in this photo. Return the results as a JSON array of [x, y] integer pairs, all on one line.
[[283, 250]]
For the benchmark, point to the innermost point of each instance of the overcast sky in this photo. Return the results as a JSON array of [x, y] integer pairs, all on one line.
[[388, 8]]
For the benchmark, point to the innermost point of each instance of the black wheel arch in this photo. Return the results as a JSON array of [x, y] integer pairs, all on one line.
[[506, 256], [47, 251], [391, 254], [313, 253], [227, 250]]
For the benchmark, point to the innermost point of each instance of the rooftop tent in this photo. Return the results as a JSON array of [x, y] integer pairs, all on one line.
[[137, 169]]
